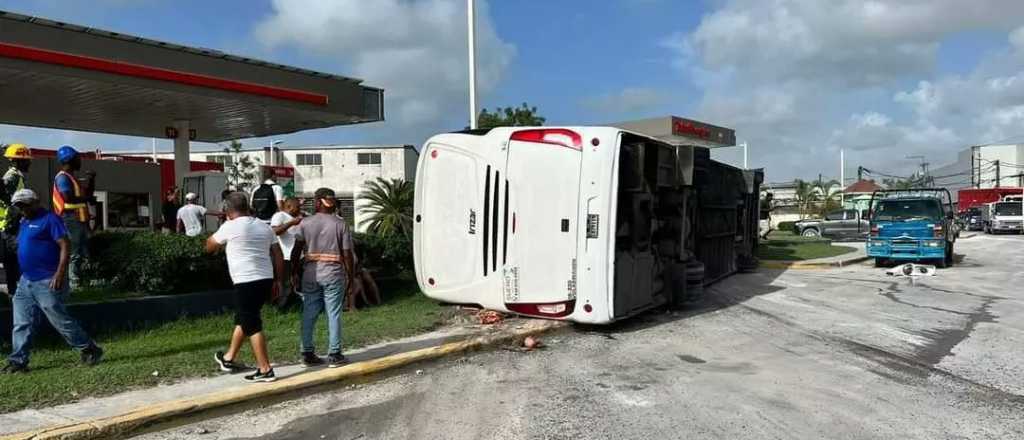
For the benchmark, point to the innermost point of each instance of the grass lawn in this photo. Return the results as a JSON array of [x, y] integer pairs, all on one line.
[[185, 348], [787, 246]]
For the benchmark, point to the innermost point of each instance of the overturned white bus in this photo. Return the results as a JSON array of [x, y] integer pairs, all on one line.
[[589, 224]]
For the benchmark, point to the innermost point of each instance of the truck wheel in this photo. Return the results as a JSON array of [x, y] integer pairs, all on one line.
[[810, 232], [881, 262]]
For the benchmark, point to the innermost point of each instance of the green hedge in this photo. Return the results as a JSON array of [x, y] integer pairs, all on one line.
[[153, 263], [385, 255], [149, 262], [787, 226]]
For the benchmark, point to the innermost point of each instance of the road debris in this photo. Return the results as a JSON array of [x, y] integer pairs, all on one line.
[[912, 270], [489, 317]]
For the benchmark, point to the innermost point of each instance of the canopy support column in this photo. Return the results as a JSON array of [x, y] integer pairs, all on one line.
[[182, 159]]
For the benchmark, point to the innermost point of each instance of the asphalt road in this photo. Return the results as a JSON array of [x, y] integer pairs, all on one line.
[[807, 354]]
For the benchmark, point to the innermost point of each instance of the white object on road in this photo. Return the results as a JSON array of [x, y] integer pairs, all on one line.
[[912, 270]]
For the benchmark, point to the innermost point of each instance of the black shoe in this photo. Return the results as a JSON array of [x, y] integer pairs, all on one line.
[[261, 377], [92, 355], [310, 359], [228, 366], [13, 368], [335, 360]]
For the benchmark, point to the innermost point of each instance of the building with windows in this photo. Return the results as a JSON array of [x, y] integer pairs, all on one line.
[[343, 168]]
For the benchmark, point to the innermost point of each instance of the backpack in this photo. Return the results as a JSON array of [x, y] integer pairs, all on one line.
[[264, 202]]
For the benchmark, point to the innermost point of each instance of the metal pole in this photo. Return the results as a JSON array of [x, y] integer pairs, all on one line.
[[745, 156], [153, 144], [471, 18], [998, 179], [842, 178]]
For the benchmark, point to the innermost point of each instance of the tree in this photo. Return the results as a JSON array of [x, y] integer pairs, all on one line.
[[829, 194], [242, 170], [806, 194], [524, 116], [389, 205]]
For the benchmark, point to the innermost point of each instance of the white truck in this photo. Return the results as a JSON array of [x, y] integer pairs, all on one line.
[[1004, 216]]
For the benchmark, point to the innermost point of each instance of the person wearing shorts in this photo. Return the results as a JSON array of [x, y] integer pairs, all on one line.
[[256, 265]]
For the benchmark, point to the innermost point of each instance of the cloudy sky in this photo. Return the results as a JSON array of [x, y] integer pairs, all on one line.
[[797, 79]]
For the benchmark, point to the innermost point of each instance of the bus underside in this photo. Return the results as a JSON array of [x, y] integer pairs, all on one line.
[[683, 221]]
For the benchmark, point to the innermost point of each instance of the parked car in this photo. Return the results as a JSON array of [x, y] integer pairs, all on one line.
[[842, 224], [912, 225], [971, 219]]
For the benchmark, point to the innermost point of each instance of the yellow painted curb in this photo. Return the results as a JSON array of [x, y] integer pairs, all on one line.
[[124, 423]]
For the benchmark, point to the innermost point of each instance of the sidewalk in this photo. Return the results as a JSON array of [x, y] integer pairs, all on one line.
[[99, 417], [858, 255]]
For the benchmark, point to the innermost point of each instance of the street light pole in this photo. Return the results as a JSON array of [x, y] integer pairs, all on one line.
[[471, 34], [273, 143], [745, 156], [842, 177]]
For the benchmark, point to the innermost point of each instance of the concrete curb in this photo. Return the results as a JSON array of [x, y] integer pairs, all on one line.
[[778, 264], [122, 424]]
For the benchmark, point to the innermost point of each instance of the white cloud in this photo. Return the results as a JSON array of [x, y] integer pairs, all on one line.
[[800, 79], [415, 50], [627, 100]]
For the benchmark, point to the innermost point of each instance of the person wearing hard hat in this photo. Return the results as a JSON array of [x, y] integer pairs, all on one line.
[[10, 216], [71, 202]]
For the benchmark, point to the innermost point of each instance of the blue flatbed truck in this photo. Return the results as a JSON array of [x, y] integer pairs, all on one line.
[[911, 225]]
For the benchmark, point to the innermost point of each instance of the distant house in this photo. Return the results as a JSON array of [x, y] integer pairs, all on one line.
[[858, 195]]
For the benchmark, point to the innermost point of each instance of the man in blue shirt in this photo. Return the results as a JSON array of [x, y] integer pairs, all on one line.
[[43, 252]]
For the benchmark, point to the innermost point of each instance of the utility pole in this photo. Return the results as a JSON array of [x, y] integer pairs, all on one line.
[[745, 156], [842, 177], [471, 18], [998, 179]]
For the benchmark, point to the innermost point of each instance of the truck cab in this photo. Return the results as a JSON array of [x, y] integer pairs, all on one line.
[[1003, 216], [912, 225]]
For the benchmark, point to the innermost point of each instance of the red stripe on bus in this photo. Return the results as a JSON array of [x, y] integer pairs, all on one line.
[[155, 73]]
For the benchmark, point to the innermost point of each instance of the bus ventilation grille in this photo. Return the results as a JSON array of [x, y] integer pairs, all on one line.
[[492, 209]]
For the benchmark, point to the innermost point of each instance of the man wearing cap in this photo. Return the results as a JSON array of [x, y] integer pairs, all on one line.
[[10, 217], [70, 202], [324, 276], [44, 253], [191, 216]]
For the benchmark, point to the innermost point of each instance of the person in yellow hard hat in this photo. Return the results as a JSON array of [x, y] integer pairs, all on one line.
[[20, 157]]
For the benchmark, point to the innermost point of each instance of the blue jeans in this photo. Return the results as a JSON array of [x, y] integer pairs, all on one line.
[[31, 298], [315, 298], [78, 235]]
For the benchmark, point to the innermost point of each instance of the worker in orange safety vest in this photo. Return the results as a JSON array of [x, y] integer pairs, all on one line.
[[71, 202]]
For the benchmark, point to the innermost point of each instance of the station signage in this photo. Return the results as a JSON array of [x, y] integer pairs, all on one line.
[[172, 133], [698, 130]]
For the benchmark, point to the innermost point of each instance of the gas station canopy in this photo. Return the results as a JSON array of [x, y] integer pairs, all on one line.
[[681, 131], [64, 76]]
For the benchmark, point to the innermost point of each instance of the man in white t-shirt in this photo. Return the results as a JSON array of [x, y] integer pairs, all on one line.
[[283, 223], [256, 265], [191, 217]]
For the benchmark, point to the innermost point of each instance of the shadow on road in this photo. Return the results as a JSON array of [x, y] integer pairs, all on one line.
[[755, 284]]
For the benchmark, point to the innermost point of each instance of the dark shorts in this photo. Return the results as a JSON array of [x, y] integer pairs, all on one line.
[[249, 299]]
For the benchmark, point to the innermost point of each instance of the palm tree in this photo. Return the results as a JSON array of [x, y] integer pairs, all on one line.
[[388, 204], [805, 195], [828, 193]]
